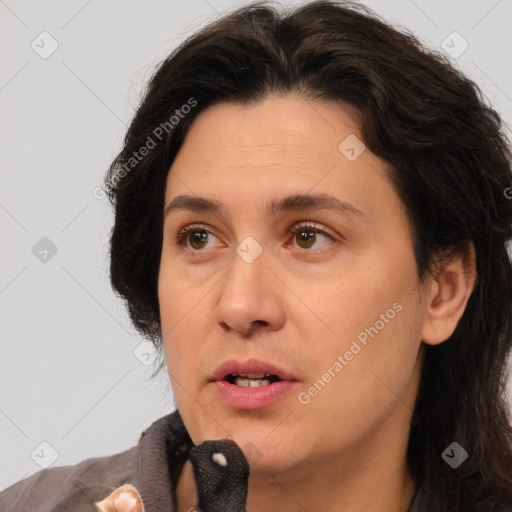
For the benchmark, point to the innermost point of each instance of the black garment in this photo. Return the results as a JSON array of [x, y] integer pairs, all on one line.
[[143, 478]]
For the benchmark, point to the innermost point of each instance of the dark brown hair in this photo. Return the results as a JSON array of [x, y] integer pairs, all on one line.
[[449, 164]]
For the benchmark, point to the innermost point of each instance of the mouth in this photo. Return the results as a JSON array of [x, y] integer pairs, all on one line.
[[251, 373], [252, 384], [253, 380]]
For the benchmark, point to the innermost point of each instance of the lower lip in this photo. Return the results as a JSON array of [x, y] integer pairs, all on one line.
[[253, 398]]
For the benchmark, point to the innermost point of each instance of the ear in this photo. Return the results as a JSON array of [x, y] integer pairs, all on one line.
[[449, 293]]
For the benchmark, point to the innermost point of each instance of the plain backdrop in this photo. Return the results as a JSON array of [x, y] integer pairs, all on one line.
[[74, 377]]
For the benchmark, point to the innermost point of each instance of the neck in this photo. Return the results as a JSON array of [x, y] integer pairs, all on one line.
[[186, 492]]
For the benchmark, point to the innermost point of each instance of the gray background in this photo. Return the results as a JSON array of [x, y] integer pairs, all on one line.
[[68, 372]]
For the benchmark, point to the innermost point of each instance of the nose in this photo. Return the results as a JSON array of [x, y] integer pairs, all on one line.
[[250, 299]]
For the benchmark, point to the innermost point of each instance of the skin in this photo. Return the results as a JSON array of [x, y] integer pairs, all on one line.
[[300, 305]]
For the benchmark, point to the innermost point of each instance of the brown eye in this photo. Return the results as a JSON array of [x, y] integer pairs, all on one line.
[[305, 238], [309, 235], [194, 238], [198, 239]]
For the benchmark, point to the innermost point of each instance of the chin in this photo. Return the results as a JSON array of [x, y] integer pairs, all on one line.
[[268, 452]]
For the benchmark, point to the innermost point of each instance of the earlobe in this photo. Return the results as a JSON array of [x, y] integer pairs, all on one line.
[[449, 294]]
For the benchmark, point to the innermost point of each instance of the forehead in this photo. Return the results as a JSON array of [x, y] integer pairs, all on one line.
[[278, 131], [242, 155]]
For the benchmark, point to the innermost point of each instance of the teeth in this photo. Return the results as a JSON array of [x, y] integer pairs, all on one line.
[[250, 375], [251, 383]]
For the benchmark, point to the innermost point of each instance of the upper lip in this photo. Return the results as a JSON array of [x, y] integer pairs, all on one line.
[[250, 366]]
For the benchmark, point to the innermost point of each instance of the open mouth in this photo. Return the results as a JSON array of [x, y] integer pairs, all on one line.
[[251, 380], [252, 384]]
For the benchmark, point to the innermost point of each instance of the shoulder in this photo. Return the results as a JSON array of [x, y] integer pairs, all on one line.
[[92, 484], [80, 485]]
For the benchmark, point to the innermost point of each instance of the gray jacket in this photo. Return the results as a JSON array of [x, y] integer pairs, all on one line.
[[141, 479]]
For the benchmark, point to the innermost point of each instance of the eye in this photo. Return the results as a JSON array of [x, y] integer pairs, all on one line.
[[306, 235], [194, 237]]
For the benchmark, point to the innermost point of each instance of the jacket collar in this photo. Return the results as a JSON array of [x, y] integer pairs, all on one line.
[[161, 453]]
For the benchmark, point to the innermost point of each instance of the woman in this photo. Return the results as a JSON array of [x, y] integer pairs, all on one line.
[[311, 223]]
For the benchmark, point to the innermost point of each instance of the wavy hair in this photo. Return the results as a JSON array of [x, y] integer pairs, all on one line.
[[450, 164]]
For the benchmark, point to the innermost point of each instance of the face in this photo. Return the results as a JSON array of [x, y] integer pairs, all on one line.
[[323, 285]]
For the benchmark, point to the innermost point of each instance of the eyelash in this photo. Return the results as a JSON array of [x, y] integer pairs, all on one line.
[[181, 237]]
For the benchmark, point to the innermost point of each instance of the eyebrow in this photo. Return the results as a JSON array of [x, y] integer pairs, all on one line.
[[295, 202]]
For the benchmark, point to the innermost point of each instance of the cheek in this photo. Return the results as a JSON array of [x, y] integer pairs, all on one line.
[[370, 319], [183, 333], [352, 399], [178, 298], [180, 315], [349, 303]]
